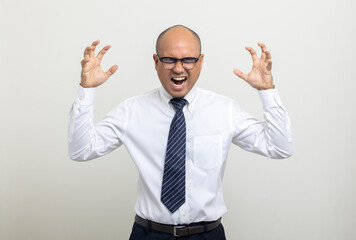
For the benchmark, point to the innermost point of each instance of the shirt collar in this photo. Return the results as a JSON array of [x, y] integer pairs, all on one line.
[[191, 98]]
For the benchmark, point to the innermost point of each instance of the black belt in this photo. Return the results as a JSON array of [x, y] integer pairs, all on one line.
[[178, 231]]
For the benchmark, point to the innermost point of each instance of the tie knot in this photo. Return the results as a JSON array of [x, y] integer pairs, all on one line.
[[178, 103]]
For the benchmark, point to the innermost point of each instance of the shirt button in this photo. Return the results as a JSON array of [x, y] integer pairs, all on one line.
[[81, 97], [184, 214]]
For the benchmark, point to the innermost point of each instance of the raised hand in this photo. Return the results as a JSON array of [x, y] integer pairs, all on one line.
[[260, 76], [92, 75]]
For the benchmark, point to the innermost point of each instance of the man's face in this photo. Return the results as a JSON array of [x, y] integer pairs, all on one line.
[[178, 43]]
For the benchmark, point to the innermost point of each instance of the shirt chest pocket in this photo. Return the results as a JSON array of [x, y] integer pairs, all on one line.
[[208, 151]]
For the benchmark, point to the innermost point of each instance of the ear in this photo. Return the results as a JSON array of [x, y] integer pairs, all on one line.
[[156, 60], [201, 60]]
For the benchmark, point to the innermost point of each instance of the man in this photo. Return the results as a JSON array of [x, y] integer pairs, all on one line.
[[179, 136]]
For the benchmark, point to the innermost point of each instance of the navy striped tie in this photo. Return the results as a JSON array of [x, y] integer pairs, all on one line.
[[173, 184]]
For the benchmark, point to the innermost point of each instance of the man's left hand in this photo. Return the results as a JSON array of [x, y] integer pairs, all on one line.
[[260, 76]]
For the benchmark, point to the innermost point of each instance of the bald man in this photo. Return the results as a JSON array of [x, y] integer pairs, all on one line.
[[178, 135]]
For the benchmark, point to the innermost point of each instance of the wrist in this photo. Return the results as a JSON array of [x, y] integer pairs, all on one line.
[[266, 88], [85, 86]]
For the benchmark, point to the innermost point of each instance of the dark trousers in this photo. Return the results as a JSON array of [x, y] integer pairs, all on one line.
[[141, 233]]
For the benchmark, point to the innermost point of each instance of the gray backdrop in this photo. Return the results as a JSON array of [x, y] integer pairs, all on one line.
[[45, 195]]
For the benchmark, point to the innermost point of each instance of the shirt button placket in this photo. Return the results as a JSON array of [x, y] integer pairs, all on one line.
[[184, 213]]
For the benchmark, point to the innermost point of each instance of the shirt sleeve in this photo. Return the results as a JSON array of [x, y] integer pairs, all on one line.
[[86, 140], [271, 137]]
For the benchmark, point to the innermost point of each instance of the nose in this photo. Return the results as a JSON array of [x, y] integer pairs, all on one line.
[[178, 68]]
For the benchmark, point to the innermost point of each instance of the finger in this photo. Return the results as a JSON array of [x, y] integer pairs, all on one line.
[[84, 61], [86, 52], [240, 74], [92, 48], [262, 46], [264, 50], [102, 52], [269, 65], [112, 70], [268, 55], [253, 53]]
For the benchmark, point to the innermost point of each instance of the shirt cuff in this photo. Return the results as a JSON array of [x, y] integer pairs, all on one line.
[[85, 96], [270, 98]]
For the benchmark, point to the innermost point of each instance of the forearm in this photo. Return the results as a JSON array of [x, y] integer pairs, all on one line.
[[277, 126], [272, 137], [80, 132], [80, 129], [86, 140]]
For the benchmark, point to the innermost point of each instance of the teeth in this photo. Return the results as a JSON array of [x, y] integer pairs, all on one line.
[[179, 78]]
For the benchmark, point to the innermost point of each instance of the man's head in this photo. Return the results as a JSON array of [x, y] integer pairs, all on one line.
[[178, 42]]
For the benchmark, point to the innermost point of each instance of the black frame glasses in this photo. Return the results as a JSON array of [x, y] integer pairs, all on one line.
[[169, 63]]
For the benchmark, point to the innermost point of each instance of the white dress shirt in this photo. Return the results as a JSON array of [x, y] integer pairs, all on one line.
[[213, 121]]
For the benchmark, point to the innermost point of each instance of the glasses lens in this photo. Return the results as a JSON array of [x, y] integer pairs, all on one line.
[[169, 63], [189, 63]]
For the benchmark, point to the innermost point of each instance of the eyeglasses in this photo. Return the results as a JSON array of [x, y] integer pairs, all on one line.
[[169, 63]]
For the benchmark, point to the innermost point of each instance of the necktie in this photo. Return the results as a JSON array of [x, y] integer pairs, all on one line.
[[173, 184]]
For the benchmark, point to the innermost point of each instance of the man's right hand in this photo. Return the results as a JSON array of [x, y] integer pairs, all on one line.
[[92, 75]]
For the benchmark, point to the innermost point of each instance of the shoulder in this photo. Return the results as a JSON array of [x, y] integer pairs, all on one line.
[[143, 98], [138, 104], [211, 96]]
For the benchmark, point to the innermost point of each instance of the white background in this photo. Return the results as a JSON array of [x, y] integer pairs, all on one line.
[[45, 195]]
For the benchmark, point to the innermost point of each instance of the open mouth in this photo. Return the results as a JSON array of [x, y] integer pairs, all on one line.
[[178, 80]]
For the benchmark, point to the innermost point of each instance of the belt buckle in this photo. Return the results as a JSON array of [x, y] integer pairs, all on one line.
[[175, 230]]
